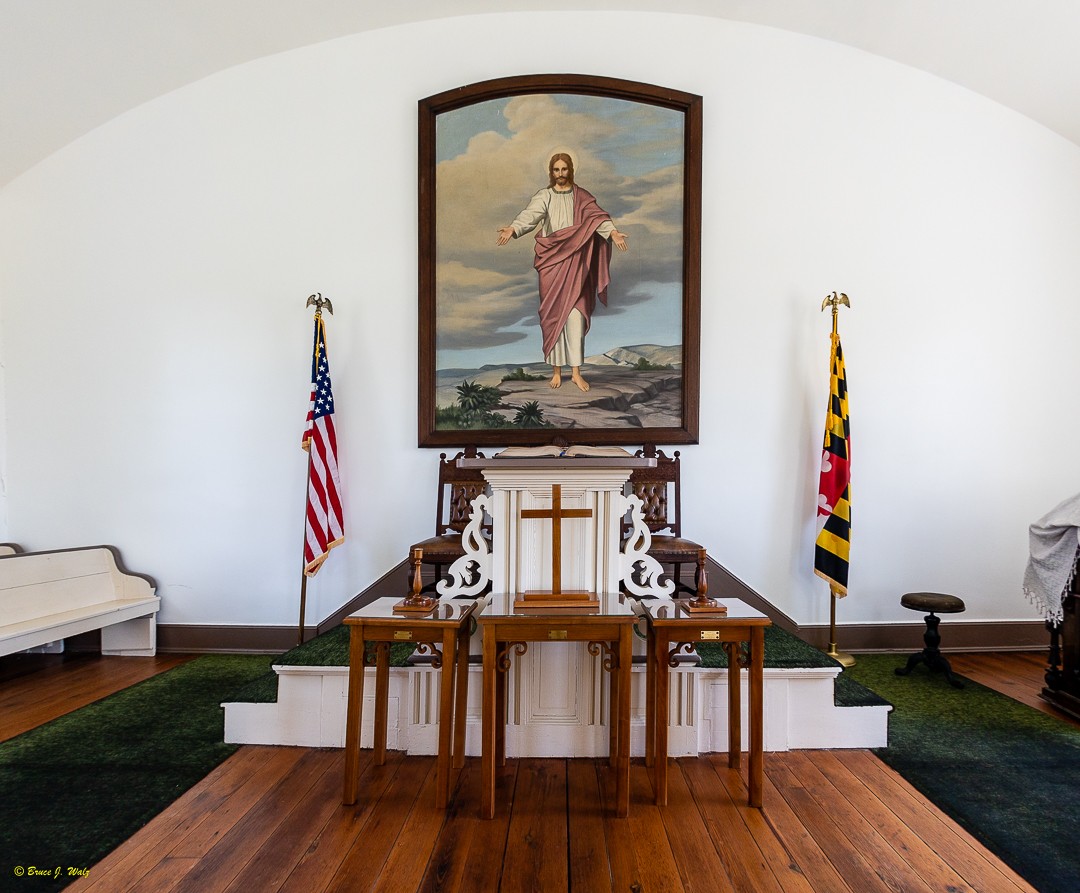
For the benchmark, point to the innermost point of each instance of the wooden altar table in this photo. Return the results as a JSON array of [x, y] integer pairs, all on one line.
[[673, 629], [447, 624], [608, 630]]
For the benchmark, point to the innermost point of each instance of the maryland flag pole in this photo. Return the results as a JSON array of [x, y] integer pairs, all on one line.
[[834, 488]]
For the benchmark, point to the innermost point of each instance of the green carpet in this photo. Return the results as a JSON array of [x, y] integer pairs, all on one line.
[[1007, 773], [73, 789], [782, 650], [331, 649]]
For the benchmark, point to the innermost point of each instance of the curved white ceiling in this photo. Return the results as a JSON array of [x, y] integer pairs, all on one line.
[[67, 66]]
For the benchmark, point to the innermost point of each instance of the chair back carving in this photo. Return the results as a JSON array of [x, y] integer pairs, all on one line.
[[458, 487], [659, 491]]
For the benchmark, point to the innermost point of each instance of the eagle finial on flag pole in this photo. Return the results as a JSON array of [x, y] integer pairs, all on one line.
[[319, 302], [834, 300], [833, 543]]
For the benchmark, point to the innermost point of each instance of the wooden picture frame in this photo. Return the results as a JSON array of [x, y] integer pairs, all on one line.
[[484, 149]]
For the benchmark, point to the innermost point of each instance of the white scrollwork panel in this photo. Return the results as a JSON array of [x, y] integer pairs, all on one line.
[[639, 571], [471, 573]]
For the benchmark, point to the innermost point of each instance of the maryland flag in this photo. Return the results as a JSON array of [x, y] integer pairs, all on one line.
[[834, 490]]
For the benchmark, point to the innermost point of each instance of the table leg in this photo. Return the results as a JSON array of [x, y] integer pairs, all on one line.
[[650, 698], [382, 691], [487, 744], [354, 712], [622, 784], [734, 705], [613, 715], [660, 737], [461, 696], [501, 679], [446, 718], [757, 731]]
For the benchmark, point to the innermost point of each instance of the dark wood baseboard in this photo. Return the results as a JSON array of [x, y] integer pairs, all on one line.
[[194, 638], [397, 582], [956, 634]]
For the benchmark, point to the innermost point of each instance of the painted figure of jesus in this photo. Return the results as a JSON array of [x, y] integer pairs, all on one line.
[[573, 254]]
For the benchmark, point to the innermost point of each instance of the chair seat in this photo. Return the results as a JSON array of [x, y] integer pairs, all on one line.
[[440, 549], [673, 549], [932, 602]]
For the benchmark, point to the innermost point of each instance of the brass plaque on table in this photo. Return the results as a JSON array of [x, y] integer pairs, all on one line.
[[402, 634], [557, 634], [710, 635]]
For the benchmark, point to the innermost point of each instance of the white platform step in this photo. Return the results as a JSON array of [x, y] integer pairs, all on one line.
[[799, 714]]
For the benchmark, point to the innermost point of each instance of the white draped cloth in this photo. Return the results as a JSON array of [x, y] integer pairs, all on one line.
[[1055, 545]]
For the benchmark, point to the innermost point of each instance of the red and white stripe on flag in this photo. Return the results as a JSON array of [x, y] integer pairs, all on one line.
[[324, 527]]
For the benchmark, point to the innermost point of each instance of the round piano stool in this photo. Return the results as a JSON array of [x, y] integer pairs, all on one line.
[[933, 603]]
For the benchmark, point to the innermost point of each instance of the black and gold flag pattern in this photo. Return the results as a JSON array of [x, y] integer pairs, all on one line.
[[833, 543]]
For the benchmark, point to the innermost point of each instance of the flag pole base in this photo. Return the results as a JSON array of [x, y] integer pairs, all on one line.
[[841, 657]]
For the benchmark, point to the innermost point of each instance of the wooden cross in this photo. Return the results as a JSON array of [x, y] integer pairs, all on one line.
[[556, 513]]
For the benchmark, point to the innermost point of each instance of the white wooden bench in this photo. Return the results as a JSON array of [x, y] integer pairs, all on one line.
[[47, 596]]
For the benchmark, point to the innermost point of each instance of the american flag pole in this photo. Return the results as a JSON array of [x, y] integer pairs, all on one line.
[[303, 571], [323, 515]]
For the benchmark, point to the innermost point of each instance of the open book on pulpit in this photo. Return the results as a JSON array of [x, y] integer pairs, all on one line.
[[580, 450]]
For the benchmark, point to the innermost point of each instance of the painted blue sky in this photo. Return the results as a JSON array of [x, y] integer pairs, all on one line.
[[491, 158]]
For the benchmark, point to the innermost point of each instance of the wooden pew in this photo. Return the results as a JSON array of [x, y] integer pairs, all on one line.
[[47, 596]]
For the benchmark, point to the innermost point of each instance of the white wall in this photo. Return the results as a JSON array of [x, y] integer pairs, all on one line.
[[156, 345]]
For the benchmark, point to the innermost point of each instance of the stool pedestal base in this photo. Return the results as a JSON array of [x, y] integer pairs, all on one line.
[[931, 655]]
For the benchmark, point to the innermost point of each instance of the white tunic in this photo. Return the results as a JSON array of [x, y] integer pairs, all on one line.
[[552, 210]]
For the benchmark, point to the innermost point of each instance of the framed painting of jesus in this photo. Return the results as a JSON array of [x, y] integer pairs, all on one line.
[[559, 263]]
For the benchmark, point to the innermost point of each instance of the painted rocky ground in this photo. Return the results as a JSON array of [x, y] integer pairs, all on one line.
[[620, 394]]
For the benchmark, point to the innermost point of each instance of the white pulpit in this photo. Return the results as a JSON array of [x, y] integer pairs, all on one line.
[[557, 529]]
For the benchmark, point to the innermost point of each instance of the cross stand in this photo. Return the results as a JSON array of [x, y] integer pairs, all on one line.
[[557, 597]]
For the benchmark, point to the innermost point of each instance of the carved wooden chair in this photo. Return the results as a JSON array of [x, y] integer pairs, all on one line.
[[458, 487], [659, 490]]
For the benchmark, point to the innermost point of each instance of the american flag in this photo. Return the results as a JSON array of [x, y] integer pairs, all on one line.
[[325, 521]]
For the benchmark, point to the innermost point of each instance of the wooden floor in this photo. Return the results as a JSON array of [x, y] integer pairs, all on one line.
[[270, 818]]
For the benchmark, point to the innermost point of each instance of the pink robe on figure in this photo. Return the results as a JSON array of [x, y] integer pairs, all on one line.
[[573, 266]]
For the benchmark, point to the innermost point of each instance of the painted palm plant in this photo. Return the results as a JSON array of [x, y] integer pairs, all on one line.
[[529, 415]]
